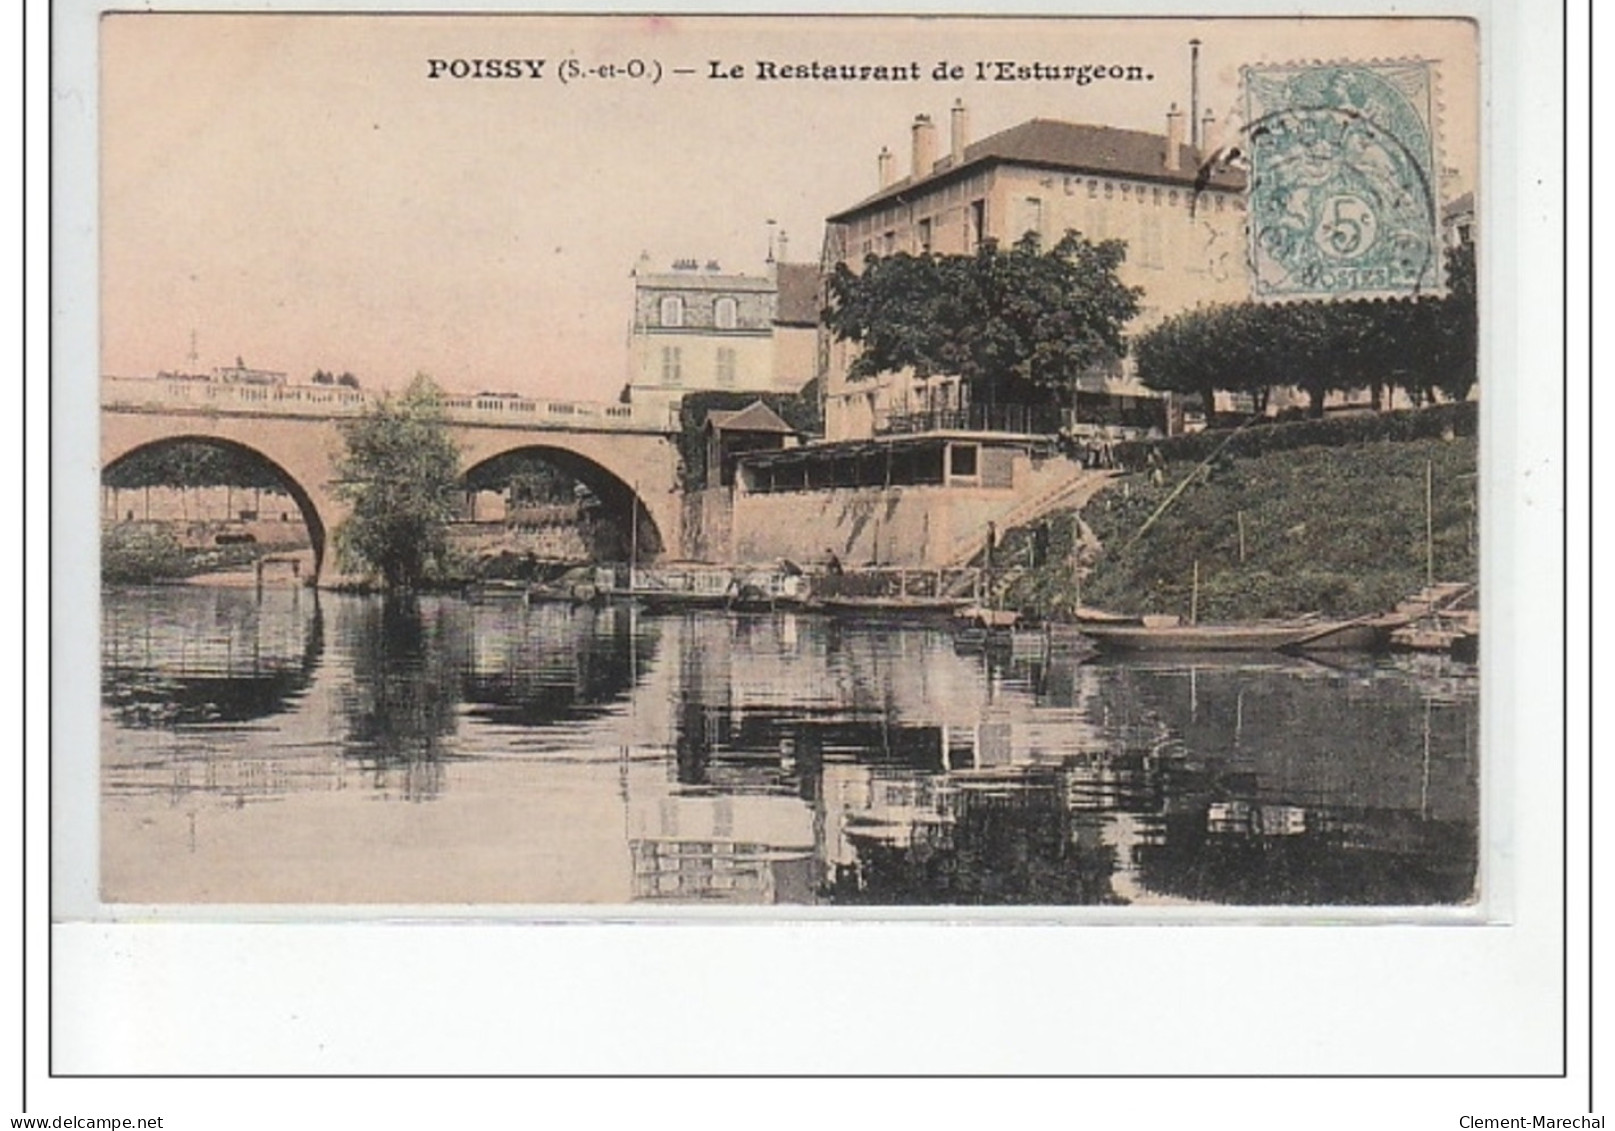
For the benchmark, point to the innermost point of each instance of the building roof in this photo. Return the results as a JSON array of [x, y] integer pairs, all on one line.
[[702, 281], [755, 417], [798, 294], [1070, 146], [1461, 206]]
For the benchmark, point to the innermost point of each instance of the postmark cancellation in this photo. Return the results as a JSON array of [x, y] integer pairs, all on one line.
[[1343, 200]]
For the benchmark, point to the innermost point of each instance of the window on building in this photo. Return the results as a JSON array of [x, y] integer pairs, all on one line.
[[888, 243], [1093, 188], [978, 223], [672, 365], [726, 367], [725, 313], [962, 461], [1098, 222], [1150, 233], [925, 236], [672, 311], [1031, 217]]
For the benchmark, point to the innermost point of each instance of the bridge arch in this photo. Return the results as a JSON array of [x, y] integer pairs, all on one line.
[[117, 454], [622, 452], [628, 501]]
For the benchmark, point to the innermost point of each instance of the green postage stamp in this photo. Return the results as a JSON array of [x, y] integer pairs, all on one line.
[[1343, 175]]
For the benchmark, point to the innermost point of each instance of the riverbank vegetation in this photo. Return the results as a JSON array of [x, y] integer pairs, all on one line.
[[147, 553], [1336, 530], [137, 555], [401, 475]]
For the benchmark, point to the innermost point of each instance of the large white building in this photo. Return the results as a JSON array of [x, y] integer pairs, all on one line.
[[1182, 221]]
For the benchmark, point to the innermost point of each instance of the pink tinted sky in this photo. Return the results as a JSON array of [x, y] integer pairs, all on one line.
[[298, 193]]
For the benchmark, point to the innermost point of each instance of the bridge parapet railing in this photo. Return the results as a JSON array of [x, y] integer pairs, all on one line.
[[158, 392], [323, 400]]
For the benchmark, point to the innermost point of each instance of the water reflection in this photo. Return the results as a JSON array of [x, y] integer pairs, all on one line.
[[399, 701], [551, 663], [176, 657], [583, 755]]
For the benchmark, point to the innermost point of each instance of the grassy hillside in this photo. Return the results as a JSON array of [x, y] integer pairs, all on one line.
[[1334, 530]]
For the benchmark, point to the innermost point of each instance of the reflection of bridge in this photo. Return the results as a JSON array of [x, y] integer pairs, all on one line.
[[619, 451]]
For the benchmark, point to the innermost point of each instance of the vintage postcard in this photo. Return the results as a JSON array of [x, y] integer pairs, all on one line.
[[843, 463]]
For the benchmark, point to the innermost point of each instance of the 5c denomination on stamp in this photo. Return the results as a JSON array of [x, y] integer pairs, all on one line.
[[1342, 187]]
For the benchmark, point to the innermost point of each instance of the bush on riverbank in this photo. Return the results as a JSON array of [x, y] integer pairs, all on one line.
[[1461, 419], [136, 555], [460, 568], [1332, 530]]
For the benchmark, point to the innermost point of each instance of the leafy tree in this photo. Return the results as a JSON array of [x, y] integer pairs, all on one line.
[[1446, 357], [401, 473], [1016, 326], [187, 465], [191, 464], [1326, 347], [1422, 345], [1199, 352], [326, 377]]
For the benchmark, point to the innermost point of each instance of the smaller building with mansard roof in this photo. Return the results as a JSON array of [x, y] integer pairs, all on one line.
[[697, 327]]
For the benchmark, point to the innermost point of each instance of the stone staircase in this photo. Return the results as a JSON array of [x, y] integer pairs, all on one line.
[[1069, 485]]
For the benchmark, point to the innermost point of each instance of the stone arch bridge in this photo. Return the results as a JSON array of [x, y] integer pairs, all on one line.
[[626, 455]]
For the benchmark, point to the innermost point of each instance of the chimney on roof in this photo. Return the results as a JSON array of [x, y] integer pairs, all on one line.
[[1194, 94], [1209, 137], [961, 131], [924, 145], [1174, 138], [784, 242], [884, 164]]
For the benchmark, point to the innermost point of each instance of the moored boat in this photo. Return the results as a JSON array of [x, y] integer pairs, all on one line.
[[480, 592], [697, 586], [1257, 637], [930, 606], [978, 617], [1364, 634]]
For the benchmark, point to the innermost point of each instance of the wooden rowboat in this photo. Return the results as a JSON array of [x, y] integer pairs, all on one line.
[[1199, 637], [1302, 634]]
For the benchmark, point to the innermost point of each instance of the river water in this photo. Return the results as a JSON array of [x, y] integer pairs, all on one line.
[[289, 746]]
